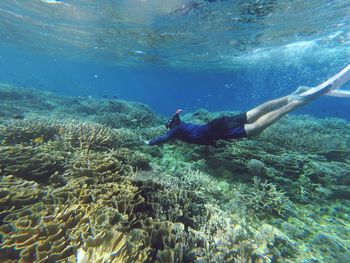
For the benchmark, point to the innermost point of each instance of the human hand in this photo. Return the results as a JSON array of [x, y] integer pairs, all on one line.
[[144, 141]]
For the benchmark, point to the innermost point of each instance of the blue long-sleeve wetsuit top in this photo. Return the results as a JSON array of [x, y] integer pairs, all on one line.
[[187, 132], [200, 134]]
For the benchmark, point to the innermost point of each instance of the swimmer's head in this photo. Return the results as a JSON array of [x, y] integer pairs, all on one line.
[[174, 121]]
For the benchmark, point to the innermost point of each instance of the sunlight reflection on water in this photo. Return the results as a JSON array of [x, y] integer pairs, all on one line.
[[182, 34]]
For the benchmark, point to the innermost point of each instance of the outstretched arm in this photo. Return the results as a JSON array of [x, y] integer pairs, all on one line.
[[164, 138]]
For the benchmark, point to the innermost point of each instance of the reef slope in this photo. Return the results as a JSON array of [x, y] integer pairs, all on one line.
[[78, 185]]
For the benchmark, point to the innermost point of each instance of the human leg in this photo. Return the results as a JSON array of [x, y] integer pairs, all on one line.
[[271, 105], [270, 118], [293, 102], [262, 116], [257, 112]]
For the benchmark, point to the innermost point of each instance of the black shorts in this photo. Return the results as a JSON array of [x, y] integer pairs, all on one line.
[[229, 127]]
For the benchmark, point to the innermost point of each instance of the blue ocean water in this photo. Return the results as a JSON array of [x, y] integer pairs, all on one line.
[[80, 179], [216, 55]]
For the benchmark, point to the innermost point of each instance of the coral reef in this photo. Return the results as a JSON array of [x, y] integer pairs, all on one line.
[[28, 130], [15, 193], [306, 134], [265, 200], [78, 184], [86, 136], [17, 103], [81, 212], [21, 103], [32, 163]]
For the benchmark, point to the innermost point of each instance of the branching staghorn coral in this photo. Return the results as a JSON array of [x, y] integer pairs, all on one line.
[[172, 204], [136, 159], [76, 134], [196, 179], [263, 199], [71, 134], [152, 132], [126, 138], [120, 162], [191, 180], [27, 130], [96, 164], [86, 136]]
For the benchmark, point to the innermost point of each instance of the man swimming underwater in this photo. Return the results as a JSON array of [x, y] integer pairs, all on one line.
[[254, 121]]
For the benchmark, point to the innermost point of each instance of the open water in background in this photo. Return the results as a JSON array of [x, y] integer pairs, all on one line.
[[170, 54], [225, 55]]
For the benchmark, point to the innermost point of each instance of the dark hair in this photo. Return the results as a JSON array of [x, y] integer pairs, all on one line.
[[173, 122]]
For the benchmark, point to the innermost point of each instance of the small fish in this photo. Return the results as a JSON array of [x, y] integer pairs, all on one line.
[[12, 150], [18, 117], [61, 131], [115, 97], [75, 101], [39, 139]]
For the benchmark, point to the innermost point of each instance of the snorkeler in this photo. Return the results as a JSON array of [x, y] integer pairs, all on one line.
[[254, 121]]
